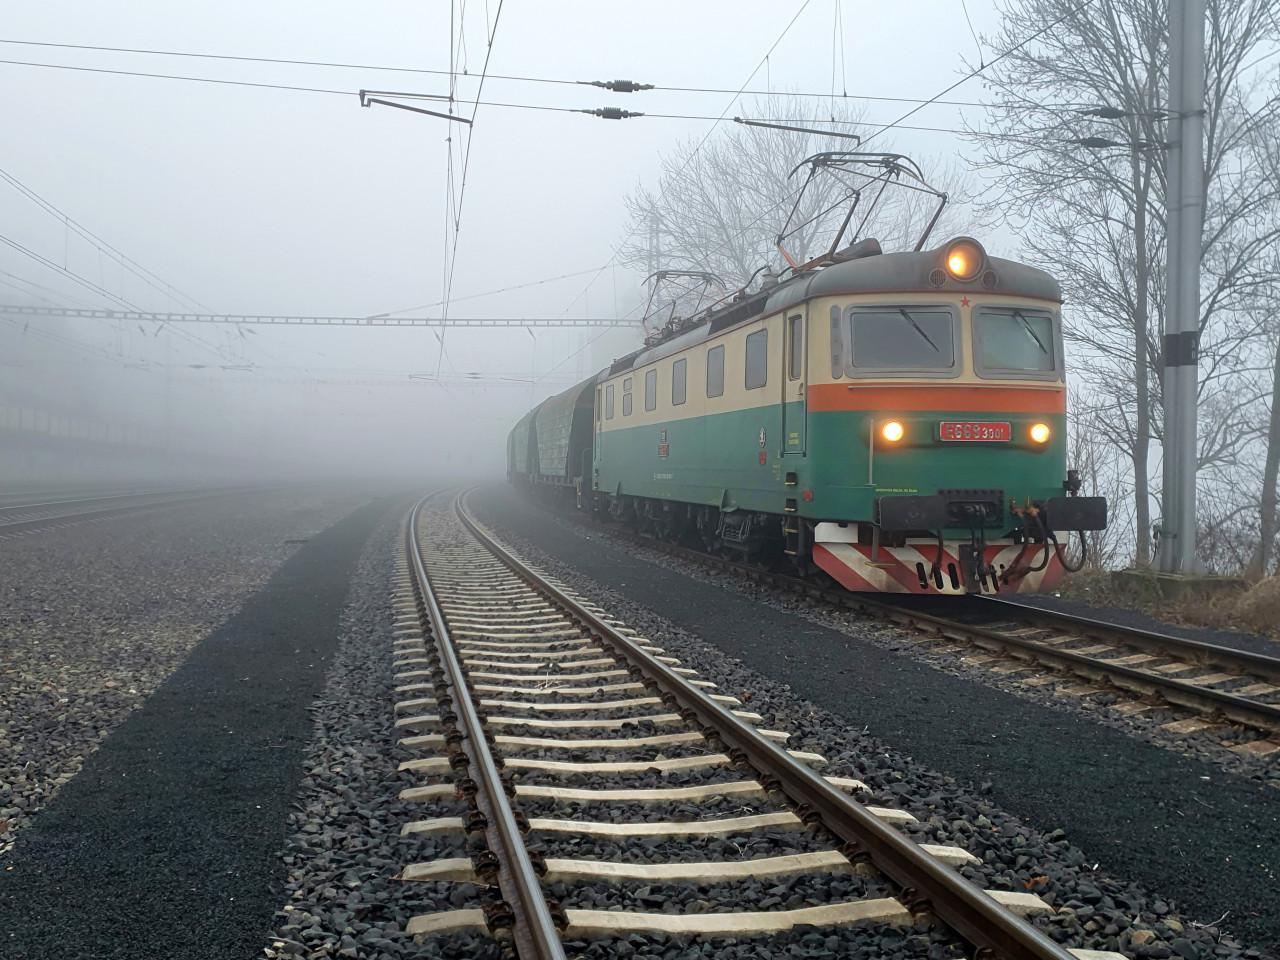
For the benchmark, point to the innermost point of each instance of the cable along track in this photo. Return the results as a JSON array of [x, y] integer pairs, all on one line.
[[512, 685]]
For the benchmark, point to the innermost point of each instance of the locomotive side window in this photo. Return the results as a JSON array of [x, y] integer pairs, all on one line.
[[757, 359], [891, 339], [608, 402], [1015, 343], [715, 371], [651, 390], [626, 397], [678, 371], [837, 345], [795, 337]]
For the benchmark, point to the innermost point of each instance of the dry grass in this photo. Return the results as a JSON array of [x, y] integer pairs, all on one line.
[[1258, 608]]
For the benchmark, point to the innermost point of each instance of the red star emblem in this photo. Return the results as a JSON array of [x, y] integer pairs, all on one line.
[[964, 301]]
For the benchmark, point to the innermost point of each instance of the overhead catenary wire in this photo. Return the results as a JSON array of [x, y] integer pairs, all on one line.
[[701, 143], [981, 69], [174, 76], [190, 338], [96, 350], [546, 108], [97, 289], [881, 129], [547, 374], [491, 293], [491, 34], [149, 278], [450, 201], [896, 124], [936, 99], [63, 271], [15, 279], [103, 246], [424, 71]]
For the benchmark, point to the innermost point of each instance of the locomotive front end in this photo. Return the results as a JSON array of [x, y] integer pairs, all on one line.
[[940, 427]]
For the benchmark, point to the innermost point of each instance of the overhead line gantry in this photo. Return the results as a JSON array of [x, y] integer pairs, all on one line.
[[93, 313]]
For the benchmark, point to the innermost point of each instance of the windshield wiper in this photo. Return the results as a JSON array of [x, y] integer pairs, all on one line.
[[910, 320], [1027, 326]]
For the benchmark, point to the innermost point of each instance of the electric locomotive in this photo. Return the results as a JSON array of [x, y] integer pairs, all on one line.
[[896, 420]]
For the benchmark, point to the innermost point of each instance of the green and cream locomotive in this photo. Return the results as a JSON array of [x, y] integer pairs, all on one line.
[[897, 420]]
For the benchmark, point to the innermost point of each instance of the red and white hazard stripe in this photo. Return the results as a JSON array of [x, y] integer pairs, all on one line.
[[907, 569]]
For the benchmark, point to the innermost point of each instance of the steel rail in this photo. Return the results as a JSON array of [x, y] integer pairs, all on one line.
[[1152, 641], [533, 930], [1182, 692], [1264, 716], [40, 504], [57, 520], [928, 886]]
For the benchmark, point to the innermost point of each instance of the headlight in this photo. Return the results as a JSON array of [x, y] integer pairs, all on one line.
[[964, 259], [892, 431], [1040, 432]]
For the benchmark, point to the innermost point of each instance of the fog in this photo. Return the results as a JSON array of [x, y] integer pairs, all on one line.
[[172, 195]]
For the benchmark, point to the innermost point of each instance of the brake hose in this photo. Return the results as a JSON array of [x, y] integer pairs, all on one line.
[[1084, 552], [1045, 535]]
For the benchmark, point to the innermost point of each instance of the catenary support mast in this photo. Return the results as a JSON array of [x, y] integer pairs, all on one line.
[[1185, 188]]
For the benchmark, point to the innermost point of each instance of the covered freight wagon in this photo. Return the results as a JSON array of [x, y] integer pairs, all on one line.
[[551, 444]]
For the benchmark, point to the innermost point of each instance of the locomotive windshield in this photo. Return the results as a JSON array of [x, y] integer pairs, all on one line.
[[884, 339], [1015, 342]]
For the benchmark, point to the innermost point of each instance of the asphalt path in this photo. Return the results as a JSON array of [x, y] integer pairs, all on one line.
[[168, 841], [1181, 828]]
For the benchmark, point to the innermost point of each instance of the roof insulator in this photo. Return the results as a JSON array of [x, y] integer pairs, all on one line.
[[611, 113], [1096, 143], [618, 86], [1106, 113]]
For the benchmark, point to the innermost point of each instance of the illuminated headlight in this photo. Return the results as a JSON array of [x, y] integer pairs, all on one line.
[[892, 431], [1040, 432], [964, 259]]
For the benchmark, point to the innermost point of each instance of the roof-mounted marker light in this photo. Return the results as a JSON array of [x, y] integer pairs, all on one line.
[[965, 259]]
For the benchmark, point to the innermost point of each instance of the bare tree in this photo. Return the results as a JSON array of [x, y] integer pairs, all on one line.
[[721, 203], [1265, 418], [1268, 525], [1101, 469], [1074, 147]]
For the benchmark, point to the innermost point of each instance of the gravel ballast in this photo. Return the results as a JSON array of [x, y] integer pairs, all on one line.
[[96, 616], [346, 849], [167, 842], [1064, 798], [344, 900]]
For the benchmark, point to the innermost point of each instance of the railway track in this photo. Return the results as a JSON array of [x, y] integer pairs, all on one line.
[[1149, 670], [1222, 684], [33, 513], [511, 686]]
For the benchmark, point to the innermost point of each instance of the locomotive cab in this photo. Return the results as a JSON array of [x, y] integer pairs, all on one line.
[[942, 426]]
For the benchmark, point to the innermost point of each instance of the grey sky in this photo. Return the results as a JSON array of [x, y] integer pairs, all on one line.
[[254, 200]]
